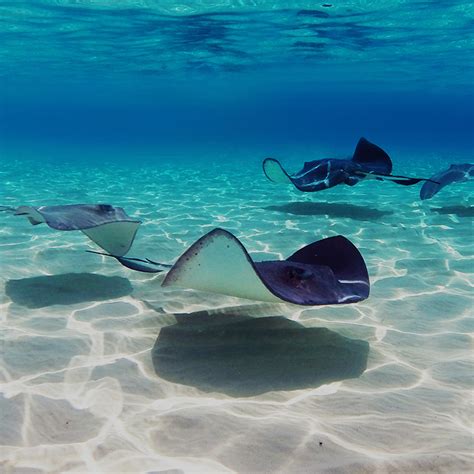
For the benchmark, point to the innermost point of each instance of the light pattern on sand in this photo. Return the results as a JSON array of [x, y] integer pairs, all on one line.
[[79, 390]]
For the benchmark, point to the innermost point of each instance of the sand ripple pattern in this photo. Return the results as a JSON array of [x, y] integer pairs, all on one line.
[[79, 391]]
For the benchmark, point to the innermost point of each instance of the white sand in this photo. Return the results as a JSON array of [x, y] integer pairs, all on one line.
[[79, 391]]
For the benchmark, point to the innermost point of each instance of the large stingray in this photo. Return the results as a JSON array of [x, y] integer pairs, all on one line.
[[329, 271], [368, 162], [108, 226], [454, 174]]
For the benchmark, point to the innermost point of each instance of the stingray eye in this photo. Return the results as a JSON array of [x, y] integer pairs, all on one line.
[[299, 273], [105, 207], [306, 274]]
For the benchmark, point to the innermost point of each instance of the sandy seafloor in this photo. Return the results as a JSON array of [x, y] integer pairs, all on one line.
[[87, 385]]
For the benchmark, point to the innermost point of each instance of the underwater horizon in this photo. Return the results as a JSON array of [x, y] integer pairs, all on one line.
[[229, 355]]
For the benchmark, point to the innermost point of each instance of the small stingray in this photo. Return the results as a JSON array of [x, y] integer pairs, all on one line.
[[107, 226], [329, 271], [454, 174], [368, 162]]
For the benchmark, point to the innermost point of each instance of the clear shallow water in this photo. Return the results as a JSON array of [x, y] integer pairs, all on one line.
[[92, 380], [167, 110]]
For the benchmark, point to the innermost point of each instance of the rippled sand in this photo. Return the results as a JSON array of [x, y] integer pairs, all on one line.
[[104, 371]]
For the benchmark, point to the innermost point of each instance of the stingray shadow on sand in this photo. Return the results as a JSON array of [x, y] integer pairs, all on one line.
[[244, 356], [66, 289], [460, 211], [360, 213]]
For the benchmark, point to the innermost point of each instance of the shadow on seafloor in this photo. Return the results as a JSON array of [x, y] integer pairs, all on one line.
[[244, 356]]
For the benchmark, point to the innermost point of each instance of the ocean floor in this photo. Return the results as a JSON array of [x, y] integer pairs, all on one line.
[[102, 370]]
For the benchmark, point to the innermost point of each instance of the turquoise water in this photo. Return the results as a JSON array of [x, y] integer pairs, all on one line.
[[167, 109]]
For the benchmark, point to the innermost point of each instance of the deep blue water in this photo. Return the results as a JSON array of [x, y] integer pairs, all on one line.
[[152, 79]]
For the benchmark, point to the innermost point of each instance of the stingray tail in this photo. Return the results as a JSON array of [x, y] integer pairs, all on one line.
[[8, 209], [403, 180], [138, 264]]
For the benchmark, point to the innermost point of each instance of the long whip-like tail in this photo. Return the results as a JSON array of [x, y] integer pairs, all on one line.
[[7, 209], [138, 264], [403, 180]]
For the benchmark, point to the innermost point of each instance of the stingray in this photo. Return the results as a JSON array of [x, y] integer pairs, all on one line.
[[454, 174], [368, 162], [329, 271], [107, 226]]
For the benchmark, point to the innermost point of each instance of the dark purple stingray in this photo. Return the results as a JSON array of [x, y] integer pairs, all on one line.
[[369, 161], [454, 174]]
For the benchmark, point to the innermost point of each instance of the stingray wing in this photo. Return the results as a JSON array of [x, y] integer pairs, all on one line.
[[371, 157], [109, 227], [454, 174], [275, 172], [345, 261], [219, 263]]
